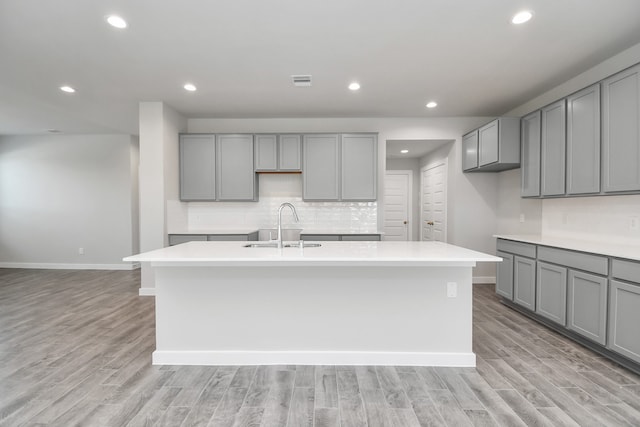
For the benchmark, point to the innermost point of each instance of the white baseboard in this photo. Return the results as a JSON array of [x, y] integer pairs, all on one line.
[[147, 292], [313, 358], [483, 280], [60, 266]]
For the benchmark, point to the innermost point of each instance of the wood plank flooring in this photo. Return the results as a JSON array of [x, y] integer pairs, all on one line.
[[75, 349]]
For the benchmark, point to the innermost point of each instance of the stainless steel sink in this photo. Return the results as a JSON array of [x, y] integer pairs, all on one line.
[[286, 245]]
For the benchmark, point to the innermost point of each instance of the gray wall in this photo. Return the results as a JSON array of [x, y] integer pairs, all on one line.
[[59, 193]]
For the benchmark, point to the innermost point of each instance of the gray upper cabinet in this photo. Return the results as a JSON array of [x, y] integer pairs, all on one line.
[[583, 141], [277, 153], [321, 167], [234, 168], [553, 141], [488, 143], [621, 131], [359, 167], [530, 140], [289, 152], [498, 146], [551, 292], [266, 152], [197, 167], [470, 151], [587, 305]]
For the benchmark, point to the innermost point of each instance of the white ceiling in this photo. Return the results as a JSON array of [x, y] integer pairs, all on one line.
[[241, 54]]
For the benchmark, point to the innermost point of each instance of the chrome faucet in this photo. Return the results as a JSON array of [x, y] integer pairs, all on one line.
[[295, 216]]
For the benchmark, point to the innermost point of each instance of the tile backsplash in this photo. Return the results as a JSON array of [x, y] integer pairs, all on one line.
[[275, 189]]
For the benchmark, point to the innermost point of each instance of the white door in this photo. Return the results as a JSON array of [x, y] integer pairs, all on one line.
[[433, 201], [397, 205]]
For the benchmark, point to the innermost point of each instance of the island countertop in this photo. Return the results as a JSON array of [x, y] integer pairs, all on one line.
[[329, 253]]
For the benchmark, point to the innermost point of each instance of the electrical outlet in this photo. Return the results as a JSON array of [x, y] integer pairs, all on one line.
[[452, 289], [633, 223], [521, 217], [80, 251]]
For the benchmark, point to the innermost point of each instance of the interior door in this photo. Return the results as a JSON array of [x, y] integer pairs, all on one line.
[[397, 205], [433, 212]]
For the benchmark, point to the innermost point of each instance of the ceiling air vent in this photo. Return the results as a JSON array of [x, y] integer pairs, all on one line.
[[301, 80]]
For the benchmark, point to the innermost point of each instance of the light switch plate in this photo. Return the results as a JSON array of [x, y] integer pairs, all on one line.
[[452, 289]]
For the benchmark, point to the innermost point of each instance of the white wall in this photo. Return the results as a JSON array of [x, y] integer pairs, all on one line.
[[160, 126], [414, 166], [59, 193], [582, 218]]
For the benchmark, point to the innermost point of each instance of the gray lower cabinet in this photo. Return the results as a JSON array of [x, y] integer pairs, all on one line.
[[197, 167], [321, 167], [621, 131], [530, 161], [340, 237], [470, 151], [587, 305], [359, 166], [551, 292], [553, 143], [583, 141], [524, 282], [176, 239], [504, 276], [235, 172], [624, 318]]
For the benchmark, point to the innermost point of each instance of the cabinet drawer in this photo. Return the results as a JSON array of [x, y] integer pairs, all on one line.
[[360, 237], [320, 237], [176, 239], [227, 237], [626, 270], [579, 260], [518, 248]]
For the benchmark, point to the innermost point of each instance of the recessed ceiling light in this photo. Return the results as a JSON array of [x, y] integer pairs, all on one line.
[[116, 21], [190, 87], [521, 17], [54, 130], [354, 86], [67, 89], [404, 151], [432, 104]]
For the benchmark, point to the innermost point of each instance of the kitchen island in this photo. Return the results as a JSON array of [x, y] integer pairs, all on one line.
[[342, 303]]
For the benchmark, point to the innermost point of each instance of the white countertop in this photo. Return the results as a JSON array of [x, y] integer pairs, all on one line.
[[328, 254], [596, 247]]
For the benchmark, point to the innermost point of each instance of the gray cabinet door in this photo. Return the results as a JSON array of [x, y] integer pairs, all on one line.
[[359, 167], [551, 292], [234, 168], [320, 167], [587, 305], [320, 237], [530, 163], [583, 141], [488, 143], [624, 319], [504, 277], [197, 167], [470, 151], [524, 282], [621, 131], [266, 152], [176, 239], [289, 152], [553, 141]]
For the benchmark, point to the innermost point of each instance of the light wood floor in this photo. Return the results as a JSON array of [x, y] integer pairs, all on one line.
[[75, 349]]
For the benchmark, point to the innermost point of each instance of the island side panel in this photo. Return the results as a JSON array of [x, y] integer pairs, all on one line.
[[348, 315]]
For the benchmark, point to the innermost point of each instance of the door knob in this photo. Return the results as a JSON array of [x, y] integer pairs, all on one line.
[[404, 222], [429, 222]]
